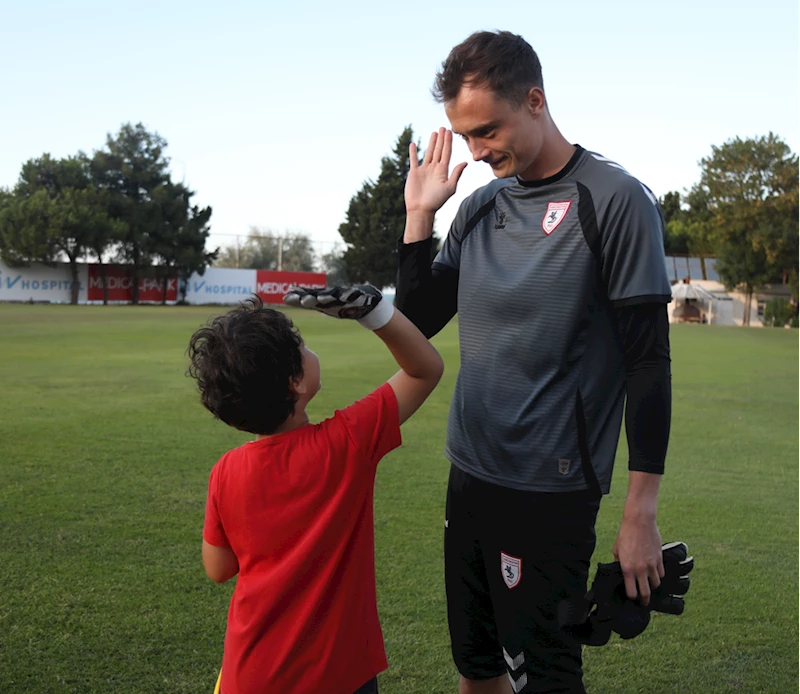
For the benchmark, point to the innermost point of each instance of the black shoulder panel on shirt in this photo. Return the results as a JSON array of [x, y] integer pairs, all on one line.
[[477, 217], [588, 219]]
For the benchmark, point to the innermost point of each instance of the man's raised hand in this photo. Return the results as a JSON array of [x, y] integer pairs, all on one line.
[[430, 184]]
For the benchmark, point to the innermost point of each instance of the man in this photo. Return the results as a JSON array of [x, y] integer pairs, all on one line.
[[556, 270]]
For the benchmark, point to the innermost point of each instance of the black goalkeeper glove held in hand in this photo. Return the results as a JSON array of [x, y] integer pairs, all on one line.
[[607, 608]]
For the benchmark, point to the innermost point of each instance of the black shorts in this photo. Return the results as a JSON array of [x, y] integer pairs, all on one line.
[[510, 557], [370, 687]]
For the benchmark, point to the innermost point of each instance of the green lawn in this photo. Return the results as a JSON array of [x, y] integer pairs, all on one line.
[[105, 453]]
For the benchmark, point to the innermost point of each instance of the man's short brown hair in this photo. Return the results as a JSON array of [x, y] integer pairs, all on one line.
[[499, 60]]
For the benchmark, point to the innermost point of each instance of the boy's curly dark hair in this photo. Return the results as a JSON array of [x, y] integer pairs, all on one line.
[[244, 362]]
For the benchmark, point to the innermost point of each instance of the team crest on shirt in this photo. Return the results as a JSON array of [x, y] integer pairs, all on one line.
[[511, 567], [556, 211]]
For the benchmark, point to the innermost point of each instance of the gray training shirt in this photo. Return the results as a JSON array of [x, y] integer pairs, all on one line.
[[541, 265]]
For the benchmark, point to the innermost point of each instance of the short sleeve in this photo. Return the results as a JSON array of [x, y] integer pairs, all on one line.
[[373, 423], [632, 250], [213, 532]]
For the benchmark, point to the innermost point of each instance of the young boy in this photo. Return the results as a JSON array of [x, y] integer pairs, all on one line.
[[292, 511]]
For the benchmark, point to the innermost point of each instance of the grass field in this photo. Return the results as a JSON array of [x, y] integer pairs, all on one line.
[[105, 453]]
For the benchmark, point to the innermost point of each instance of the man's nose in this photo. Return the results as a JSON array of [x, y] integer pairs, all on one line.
[[479, 152]]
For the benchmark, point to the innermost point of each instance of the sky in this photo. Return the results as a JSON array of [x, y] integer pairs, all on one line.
[[277, 112]]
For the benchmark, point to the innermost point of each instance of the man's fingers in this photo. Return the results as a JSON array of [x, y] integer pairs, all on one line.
[[431, 147], [447, 147], [440, 142], [655, 578], [458, 169], [412, 156], [644, 589], [630, 584]]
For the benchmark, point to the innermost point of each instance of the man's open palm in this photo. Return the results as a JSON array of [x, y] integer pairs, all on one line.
[[430, 184]]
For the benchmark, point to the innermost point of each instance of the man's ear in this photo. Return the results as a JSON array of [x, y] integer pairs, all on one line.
[[535, 102]]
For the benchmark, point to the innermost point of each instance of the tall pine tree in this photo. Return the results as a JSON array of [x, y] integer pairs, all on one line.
[[376, 218]]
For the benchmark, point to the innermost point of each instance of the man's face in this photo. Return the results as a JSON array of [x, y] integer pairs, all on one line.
[[505, 137]]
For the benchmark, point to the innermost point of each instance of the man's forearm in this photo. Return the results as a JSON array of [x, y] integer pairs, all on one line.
[[426, 296], [644, 331], [648, 415]]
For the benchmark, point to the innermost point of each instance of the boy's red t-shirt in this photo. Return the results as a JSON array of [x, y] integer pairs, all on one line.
[[297, 510]]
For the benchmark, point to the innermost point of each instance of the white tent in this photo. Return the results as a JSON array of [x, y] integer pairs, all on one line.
[[694, 303], [683, 291]]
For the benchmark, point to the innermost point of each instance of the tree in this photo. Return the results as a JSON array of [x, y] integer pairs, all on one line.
[[676, 239], [671, 206], [741, 264], [54, 211], [131, 168], [179, 241], [265, 249], [750, 192], [376, 218], [334, 266], [777, 313]]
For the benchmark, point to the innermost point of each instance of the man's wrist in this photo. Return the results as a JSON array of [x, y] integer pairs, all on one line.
[[419, 225], [641, 502]]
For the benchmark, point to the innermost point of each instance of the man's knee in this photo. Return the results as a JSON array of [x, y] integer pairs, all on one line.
[[496, 685]]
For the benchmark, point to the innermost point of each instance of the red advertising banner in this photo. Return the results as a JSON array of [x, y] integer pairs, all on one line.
[[271, 285], [120, 285]]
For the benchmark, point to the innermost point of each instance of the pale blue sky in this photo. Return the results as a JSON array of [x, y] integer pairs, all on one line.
[[276, 112]]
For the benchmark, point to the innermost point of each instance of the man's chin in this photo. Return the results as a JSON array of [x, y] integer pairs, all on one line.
[[502, 169]]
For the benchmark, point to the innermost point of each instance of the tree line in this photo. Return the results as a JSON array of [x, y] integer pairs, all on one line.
[[743, 212], [118, 205], [121, 205]]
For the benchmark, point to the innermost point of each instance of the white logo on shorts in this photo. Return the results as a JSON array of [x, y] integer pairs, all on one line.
[[511, 568], [563, 466]]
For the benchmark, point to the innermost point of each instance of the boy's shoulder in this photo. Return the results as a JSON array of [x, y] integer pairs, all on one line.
[[372, 423]]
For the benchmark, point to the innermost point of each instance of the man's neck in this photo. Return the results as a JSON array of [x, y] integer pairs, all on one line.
[[553, 157]]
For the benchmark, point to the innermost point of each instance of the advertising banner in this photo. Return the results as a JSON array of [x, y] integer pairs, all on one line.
[[41, 283], [216, 286], [119, 282], [272, 285]]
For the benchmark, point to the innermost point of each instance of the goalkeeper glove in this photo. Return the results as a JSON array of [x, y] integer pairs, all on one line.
[[361, 302], [607, 607]]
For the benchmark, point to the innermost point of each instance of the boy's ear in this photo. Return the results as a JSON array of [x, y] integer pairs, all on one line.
[[297, 386]]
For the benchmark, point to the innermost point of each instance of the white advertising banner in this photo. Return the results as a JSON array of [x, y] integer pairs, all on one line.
[[219, 285], [215, 286], [41, 283]]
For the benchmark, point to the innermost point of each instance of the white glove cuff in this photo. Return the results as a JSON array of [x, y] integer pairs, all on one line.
[[379, 316]]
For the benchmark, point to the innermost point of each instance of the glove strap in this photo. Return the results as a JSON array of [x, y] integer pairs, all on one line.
[[379, 316]]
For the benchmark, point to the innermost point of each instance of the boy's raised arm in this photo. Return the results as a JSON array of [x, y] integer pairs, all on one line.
[[421, 367]]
